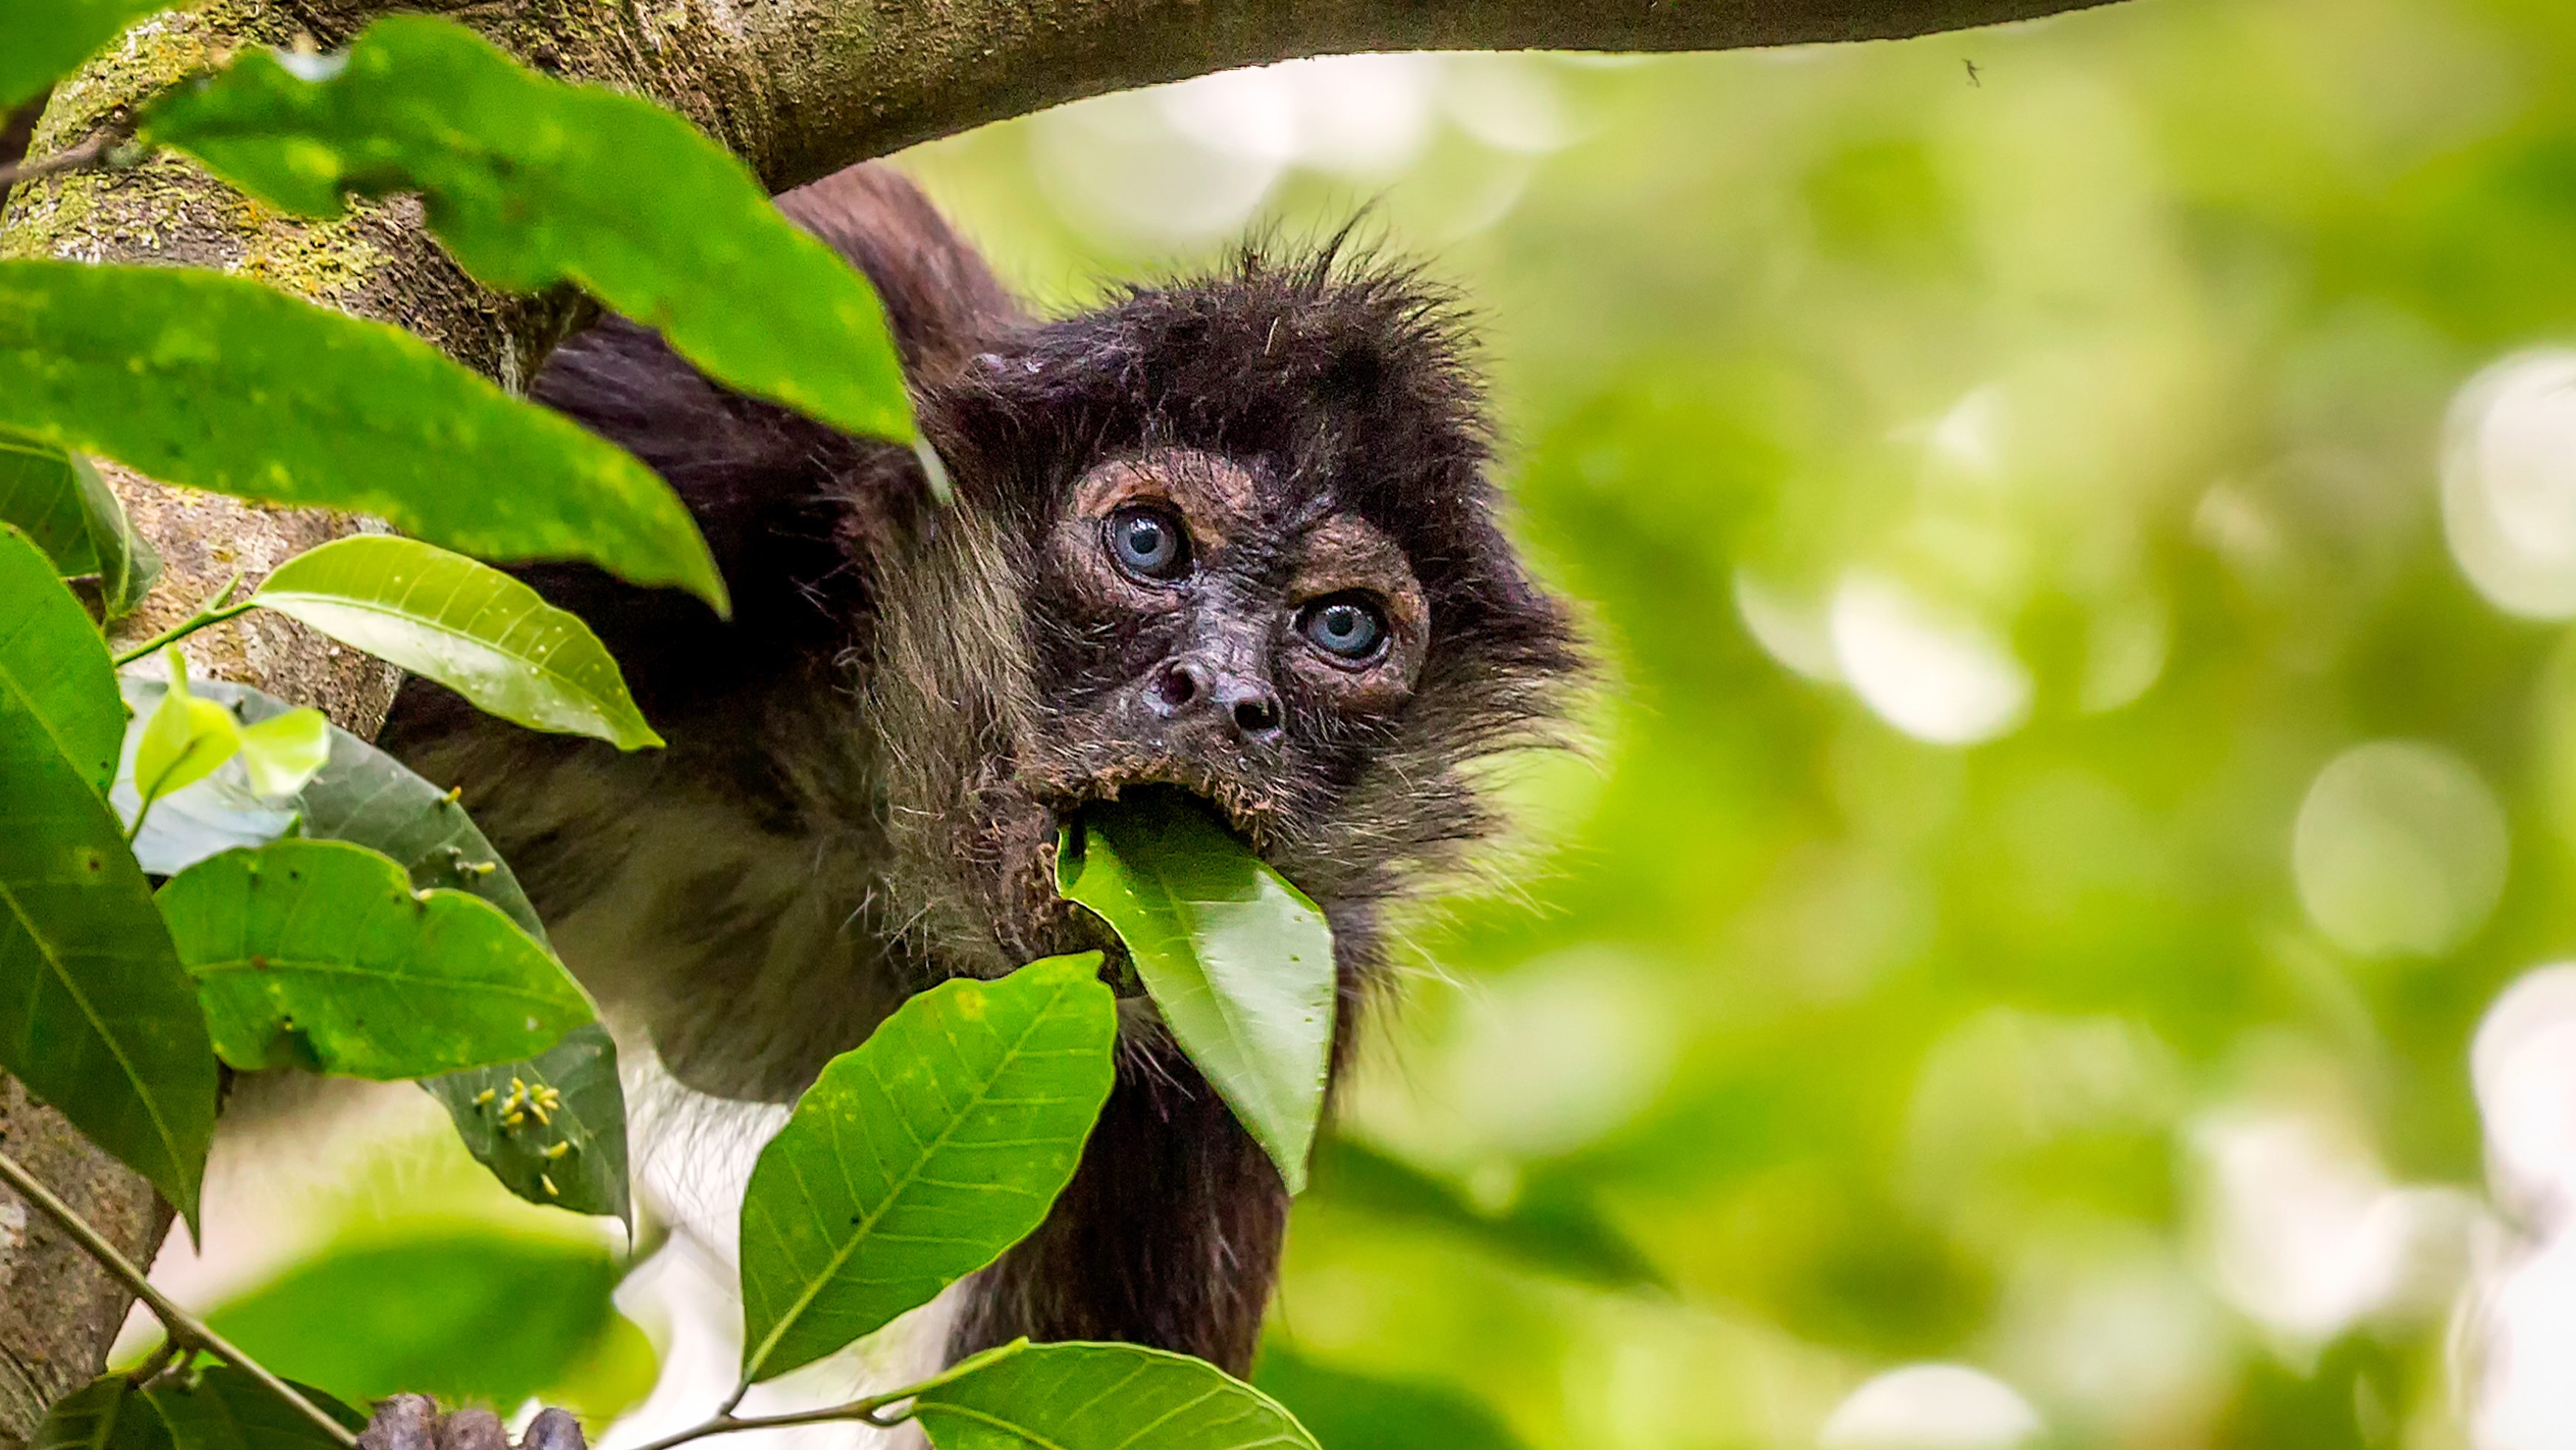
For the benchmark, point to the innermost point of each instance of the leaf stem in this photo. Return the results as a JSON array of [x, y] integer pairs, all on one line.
[[184, 1329], [213, 611], [725, 1421]]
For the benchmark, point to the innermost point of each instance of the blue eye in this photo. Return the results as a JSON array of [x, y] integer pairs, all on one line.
[[1346, 626], [1148, 543]]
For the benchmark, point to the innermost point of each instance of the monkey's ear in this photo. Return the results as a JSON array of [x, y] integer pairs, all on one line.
[[942, 301]]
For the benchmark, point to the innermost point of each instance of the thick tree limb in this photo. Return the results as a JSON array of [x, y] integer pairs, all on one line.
[[799, 88], [802, 88], [844, 81]]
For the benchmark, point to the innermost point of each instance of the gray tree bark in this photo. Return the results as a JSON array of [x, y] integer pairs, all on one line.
[[798, 89]]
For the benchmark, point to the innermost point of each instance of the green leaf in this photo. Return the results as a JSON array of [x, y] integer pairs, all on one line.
[[466, 625], [54, 665], [105, 1414], [46, 40], [216, 814], [283, 753], [220, 1408], [571, 1157], [532, 182], [318, 954], [367, 797], [219, 383], [1346, 1411], [918, 1158], [1103, 1397], [1551, 1227], [617, 1373], [62, 503], [479, 1317], [1237, 959], [96, 1016], [185, 740]]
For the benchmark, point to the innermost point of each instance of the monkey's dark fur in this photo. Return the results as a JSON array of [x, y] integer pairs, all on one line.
[[867, 765]]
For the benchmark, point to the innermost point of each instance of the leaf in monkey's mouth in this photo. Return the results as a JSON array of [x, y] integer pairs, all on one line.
[[1237, 959]]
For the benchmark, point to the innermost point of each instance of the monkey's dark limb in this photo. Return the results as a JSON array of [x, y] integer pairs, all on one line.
[[412, 1422], [17, 128], [1169, 1234]]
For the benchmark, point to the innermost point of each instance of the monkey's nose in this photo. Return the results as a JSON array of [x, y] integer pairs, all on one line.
[[1177, 685], [1186, 686], [1251, 706]]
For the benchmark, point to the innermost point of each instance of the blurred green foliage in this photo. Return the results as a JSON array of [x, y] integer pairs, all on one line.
[[2127, 352], [469, 1316]]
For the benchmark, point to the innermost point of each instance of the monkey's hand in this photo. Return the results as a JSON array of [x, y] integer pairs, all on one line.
[[412, 1422]]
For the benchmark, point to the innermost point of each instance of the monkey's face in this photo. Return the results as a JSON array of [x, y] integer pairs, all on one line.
[[1204, 627], [1235, 537]]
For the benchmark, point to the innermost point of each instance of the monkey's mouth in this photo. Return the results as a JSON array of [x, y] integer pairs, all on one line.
[[1243, 813], [1077, 773], [1047, 923]]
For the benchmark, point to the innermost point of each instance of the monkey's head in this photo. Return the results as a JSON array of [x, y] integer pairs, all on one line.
[[1234, 536]]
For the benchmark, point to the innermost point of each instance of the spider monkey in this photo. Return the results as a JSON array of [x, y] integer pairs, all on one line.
[[1232, 535]]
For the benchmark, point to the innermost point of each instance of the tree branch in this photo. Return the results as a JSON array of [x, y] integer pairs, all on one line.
[[802, 88], [842, 81], [93, 152]]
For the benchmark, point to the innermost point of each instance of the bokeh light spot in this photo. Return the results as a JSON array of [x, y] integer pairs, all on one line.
[[2399, 849], [1936, 677], [2524, 1066], [2509, 483], [1932, 1407], [2308, 1234], [1787, 628]]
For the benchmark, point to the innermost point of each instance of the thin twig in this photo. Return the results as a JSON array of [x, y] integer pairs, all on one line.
[[96, 152], [183, 1327], [155, 1362], [726, 1422], [213, 611]]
